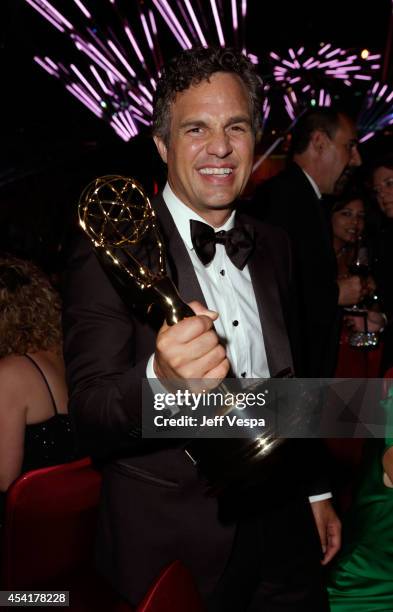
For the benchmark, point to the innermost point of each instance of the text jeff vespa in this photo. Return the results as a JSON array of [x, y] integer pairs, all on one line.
[[226, 403]]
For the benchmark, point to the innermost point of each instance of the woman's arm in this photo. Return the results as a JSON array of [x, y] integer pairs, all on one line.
[[12, 424]]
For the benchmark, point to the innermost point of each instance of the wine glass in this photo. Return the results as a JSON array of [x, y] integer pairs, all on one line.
[[360, 267]]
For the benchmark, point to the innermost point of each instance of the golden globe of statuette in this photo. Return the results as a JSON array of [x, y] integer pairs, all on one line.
[[117, 215], [115, 211]]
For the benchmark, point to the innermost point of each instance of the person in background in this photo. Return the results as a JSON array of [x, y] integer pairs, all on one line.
[[382, 188], [348, 219], [35, 429], [323, 154], [350, 238]]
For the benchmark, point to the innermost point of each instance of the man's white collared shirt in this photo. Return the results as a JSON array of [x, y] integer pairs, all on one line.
[[228, 291]]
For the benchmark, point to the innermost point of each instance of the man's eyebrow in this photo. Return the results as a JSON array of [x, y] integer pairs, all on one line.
[[231, 121], [239, 119], [193, 123]]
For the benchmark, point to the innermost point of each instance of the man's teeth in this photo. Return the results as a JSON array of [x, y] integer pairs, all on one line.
[[215, 170]]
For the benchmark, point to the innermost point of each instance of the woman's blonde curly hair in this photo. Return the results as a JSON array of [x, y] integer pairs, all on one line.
[[30, 309]]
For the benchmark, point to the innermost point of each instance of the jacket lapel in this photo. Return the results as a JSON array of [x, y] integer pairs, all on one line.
[[179, 265]]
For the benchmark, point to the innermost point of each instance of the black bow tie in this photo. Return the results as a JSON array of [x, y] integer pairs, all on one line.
[[238, 242]]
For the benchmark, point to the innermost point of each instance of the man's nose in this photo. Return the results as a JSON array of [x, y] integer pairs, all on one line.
[[219, 144]]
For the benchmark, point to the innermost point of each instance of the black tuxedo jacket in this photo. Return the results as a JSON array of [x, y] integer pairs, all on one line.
[[154, 506], [289, 201]]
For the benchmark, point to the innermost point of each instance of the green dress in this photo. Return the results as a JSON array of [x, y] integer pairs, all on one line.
[[362, 578]]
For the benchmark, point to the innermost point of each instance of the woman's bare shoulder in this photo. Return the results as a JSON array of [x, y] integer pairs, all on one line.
[[14, 373], [13, 363]]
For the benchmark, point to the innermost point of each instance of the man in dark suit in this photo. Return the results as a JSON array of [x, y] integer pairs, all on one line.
[[155, 507], [324, 150]]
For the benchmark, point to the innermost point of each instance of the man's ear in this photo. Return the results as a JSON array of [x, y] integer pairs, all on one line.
[[161, 148], [319, 140]]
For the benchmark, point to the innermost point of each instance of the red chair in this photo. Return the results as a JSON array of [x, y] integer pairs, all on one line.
[[48, 544], [173, 591], [48, 535], [49, 525]]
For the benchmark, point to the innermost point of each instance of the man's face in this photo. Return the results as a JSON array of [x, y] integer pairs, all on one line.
[[211, 145], [341, 156], [383, 189]]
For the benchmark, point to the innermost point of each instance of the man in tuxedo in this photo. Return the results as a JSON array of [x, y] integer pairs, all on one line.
[[155, 507], [324, 152]]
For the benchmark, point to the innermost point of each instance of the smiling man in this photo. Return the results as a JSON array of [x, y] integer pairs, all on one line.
[[265, 554], [209, 150]]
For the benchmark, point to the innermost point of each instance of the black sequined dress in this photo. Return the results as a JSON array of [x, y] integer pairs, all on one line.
[[48, 443]]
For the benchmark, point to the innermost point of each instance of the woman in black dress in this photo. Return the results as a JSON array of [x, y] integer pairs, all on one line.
[[35, 428]]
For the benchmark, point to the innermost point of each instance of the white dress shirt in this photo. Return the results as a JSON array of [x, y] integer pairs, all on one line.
[[228, 291], [313, 184]]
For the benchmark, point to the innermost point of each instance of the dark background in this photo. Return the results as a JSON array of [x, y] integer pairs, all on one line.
[[53, 146]]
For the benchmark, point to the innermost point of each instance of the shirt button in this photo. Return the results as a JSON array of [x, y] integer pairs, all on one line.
[[222, 272], [235, 323], [243, 374]]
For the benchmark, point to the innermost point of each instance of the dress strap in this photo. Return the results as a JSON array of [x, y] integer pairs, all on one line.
[[45, 380]]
